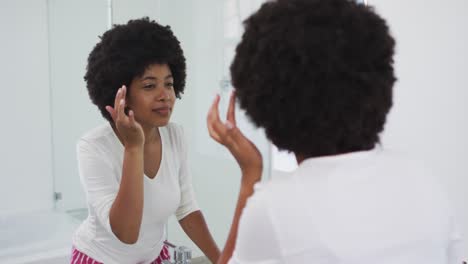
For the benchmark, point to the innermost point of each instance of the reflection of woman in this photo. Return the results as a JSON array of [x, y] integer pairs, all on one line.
[[134, 169], [318, 77]]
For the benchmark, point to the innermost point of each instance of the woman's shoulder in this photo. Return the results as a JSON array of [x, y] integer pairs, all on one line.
[[97, 133], [99, 137]]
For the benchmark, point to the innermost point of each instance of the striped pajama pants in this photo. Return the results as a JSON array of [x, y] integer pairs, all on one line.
[[78, 257]]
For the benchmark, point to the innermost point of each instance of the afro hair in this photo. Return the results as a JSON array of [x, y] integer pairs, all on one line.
[[317, 75]]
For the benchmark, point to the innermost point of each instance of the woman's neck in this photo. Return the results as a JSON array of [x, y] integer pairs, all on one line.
[[151, 135]]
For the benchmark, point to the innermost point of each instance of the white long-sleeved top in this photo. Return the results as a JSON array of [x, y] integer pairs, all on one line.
[[359, 208], [100, 160]]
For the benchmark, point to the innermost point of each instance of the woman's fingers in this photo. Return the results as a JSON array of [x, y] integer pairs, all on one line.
[[124, 92], [111, 111], [116, 112], [118, 97], [214, 135], [212, 118], [231, 114], [216, 128], [122, 103], [131, 117], [226, 134], [120, 111], [213, 113]]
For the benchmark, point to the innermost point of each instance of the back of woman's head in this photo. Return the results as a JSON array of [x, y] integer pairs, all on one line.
[[316, 74]]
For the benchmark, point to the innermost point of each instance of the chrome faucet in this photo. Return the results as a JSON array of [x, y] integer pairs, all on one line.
[[182, 254]]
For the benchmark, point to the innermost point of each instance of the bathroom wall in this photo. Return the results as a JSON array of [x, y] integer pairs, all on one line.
[[25, 134], [74, 29], [429, 114]]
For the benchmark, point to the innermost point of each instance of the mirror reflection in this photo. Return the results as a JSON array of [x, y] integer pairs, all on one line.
[[83, 100]]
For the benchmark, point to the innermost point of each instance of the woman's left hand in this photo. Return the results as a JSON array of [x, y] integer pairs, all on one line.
[[244, 151]]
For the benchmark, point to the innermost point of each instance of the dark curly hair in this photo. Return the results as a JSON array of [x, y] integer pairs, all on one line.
[[316, 74], [124, 52]]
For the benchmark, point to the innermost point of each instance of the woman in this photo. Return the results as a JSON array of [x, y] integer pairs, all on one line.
[[318, 75], [134, 169]]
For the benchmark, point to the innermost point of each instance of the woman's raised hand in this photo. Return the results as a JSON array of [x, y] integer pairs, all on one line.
[[244, 151], [129, 129]]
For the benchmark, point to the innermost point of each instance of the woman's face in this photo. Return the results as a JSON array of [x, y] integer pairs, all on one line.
[[152, 97]]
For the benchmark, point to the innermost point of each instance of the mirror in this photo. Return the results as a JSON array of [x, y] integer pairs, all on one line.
[[208, 33], [46, 107]]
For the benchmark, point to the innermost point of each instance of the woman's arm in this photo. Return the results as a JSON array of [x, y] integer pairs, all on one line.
[[195, 227], [188, 213], [244, 194], [247, 156], [127, 210]]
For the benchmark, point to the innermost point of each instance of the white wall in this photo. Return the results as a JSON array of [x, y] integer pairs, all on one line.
[[124, 10], [44, 50], [429, 114], [74, 27], [25, 139]]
